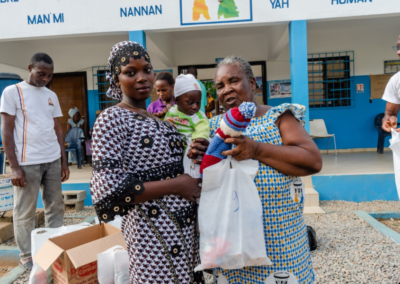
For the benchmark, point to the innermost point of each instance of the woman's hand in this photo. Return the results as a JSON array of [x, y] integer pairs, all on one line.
[[188, 187], [245, 149], [170, 120], [197, 148]]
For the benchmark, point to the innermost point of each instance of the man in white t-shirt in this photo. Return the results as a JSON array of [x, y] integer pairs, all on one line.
[[34, 144], [392, 96]]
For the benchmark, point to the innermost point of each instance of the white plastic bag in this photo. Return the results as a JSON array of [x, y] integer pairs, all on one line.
[[395, 146], [121, 266], [38, 238], [230, 217], [113, 266]]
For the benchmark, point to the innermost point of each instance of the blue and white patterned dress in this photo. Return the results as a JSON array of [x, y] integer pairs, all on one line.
[[284, 228]]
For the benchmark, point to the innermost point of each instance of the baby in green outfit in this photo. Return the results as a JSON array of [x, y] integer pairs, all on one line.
[[188, 118]]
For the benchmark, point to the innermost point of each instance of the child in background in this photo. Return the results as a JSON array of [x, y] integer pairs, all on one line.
[[188, 118], [210, 105], [164, 86]]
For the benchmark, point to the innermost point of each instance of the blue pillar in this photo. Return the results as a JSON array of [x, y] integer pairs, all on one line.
[[139, 37], [93, 106], [298, 65]]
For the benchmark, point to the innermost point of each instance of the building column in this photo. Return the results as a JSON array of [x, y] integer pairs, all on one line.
[[139, 37], [298, 65]]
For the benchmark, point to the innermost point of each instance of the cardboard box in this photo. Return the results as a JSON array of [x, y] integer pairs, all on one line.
[[5, 181], [6, 198], [73, 256]]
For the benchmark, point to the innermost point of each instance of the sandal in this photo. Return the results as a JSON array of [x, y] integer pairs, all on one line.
[[27, 265]]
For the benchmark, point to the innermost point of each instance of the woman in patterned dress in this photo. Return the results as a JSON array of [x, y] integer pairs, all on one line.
[[277, 139], [138, 174]]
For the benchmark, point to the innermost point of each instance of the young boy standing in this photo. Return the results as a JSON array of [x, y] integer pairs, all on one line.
[[34, 144]]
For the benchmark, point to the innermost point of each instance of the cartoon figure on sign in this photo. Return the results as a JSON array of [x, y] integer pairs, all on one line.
[[200, 8], [297, 191], [228, 9]]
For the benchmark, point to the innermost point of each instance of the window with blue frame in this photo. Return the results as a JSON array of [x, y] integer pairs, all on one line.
[[101, 84], [329, 79]]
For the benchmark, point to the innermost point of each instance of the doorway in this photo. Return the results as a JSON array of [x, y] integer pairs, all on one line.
[[71, 90], [206, 75]]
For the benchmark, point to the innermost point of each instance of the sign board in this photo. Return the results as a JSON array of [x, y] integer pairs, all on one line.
[[360, 88], [41, 18], [391, 66], [280, 89], [196, 12], [378, 85]]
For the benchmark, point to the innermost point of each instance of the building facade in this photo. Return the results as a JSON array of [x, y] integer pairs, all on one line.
[[319, 53]]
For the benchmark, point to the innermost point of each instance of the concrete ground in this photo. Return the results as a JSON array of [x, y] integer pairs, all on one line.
[[349, 249], [357, 163], [353, 163]]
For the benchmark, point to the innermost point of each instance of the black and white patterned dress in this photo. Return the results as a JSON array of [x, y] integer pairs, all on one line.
[[128, 150]]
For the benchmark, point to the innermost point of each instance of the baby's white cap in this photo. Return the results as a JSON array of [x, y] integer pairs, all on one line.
[[184, 84]]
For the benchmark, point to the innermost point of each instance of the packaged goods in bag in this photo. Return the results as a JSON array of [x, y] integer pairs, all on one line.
[[72, 257], [121, 266], [395, 146], [38, 238], [230, 217], [113, 266]]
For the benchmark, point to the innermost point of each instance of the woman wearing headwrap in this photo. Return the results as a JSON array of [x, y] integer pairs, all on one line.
[[75, 120], [138, 174]]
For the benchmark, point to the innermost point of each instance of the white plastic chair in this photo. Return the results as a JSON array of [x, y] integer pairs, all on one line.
[[318, 131]]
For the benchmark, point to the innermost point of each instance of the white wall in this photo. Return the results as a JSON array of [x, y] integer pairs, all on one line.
[[104, 16], [371, 42], [206, 50], [10, 69], [370, 39]]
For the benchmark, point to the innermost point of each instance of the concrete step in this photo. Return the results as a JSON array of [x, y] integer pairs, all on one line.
[[6, 232], [312, 210], [39, 217], [73, 206], [74, 195], [311, 198]]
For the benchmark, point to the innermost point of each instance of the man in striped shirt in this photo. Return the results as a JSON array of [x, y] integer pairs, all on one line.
[[34, 144]]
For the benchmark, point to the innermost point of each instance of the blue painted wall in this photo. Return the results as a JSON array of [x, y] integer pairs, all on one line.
[[72, 186], [353, 126], [357, 188]]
